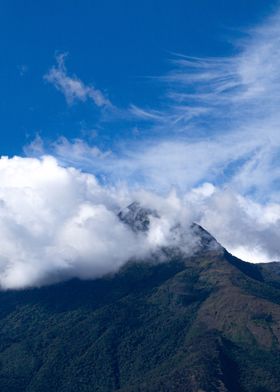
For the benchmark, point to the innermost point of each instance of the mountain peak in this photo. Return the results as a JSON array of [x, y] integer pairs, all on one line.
[[137, 217], [194, 236]]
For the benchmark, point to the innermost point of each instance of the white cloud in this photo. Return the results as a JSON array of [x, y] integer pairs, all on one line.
[[220, 124], [237, 159], [245, 84], [72, 87], [57, 223], [247, 229], [220, 121], [145, 114]]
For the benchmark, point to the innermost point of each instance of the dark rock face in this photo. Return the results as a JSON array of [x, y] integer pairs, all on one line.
[[209, 322], [207, 242], [137, 217]]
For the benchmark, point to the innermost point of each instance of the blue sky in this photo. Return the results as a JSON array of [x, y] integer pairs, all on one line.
[[119, 47], [174, 104]]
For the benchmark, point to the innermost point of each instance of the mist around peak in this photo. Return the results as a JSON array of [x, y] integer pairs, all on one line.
[[58, 223]]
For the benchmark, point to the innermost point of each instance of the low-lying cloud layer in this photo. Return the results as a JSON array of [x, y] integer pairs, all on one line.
[[57, 223]]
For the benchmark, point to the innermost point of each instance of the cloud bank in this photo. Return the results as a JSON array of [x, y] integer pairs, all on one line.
[[58, 223]]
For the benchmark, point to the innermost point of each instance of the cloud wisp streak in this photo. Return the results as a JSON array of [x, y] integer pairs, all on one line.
[[73, 88], [235, 88]]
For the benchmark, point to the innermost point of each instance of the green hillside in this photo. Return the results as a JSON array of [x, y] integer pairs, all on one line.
[[206, 323]]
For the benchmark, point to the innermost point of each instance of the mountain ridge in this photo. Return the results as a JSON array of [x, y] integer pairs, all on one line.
[[206, 322]]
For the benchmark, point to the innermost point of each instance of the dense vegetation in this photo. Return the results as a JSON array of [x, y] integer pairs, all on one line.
[[206, 323]]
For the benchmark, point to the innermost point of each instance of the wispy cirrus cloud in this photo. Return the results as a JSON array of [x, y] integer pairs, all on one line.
[[209, 95], [220, 123], [73, 88], [215, 138], [222, 114], [145, 114], [247, 165]]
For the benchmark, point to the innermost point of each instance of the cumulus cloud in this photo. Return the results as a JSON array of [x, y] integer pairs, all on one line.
[[57, 223], [73, 88], [247, 229]]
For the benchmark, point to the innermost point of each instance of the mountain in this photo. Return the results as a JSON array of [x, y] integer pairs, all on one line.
[[206, 322]]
